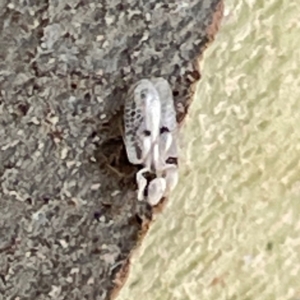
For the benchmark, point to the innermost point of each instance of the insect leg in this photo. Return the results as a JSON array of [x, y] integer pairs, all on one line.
[[156, 190], [166, 140], [141, 182]]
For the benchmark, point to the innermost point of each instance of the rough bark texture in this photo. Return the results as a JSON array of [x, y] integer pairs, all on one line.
[[69, 218]]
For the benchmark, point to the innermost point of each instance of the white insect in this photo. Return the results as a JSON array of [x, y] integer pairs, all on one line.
[[142, 127], [150, 136]]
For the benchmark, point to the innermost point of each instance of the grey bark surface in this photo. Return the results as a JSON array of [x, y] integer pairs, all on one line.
[[69, 218]]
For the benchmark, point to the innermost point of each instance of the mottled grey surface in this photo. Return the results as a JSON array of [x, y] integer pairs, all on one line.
[[67, 223]]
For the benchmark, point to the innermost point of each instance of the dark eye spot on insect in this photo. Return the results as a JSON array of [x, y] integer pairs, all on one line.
[[147, 132], [172, 161], [132, 114], [164, 129], [143, 94]]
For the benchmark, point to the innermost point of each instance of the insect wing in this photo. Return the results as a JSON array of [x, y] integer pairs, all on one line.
[[133, 126], [168, 138]]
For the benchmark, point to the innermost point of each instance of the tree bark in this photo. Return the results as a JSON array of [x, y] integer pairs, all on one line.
[[69, 216]]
